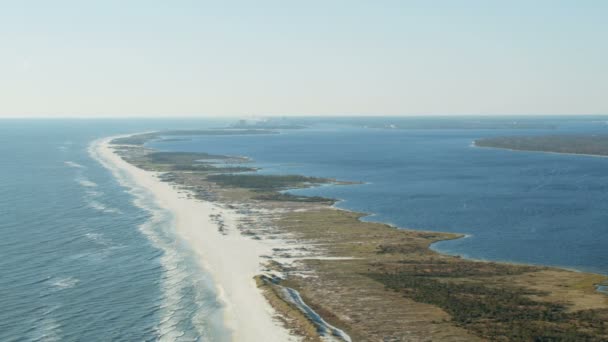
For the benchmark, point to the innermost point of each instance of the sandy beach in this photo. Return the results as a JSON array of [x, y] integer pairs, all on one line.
[[231, 259]]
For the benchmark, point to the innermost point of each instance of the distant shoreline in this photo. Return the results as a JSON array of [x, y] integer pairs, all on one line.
[[490, 143]]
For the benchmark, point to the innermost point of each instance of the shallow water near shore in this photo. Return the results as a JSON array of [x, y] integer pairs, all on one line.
[[84, 256]]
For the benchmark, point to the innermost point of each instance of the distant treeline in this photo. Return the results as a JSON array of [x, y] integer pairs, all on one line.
[[265, 182], [577, 144], [459, 123]]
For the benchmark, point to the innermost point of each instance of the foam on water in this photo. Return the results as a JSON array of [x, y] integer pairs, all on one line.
[[102, 207], [189, 310], [98, 238], [76, 262], [86, 183], [47, 330], [74, 165], [92, 195], [64, 283], [179, 279]]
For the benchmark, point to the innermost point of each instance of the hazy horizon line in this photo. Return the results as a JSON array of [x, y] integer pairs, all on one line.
[[253, 116]]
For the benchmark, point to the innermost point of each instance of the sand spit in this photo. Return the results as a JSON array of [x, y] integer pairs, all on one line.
[[231, 258]]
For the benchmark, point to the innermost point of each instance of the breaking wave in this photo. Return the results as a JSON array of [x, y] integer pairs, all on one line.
[[74, 165], [189, 310]]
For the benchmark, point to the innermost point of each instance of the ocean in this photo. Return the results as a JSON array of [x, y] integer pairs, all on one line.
[[85, 257]]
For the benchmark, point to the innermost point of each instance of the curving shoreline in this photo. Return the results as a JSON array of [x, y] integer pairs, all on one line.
[[359, 260]]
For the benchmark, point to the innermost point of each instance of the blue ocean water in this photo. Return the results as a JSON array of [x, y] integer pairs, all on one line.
[[526, 207], [87, 257]]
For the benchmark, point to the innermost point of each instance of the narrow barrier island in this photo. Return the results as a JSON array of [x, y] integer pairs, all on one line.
[[370, 280], [571, 144]]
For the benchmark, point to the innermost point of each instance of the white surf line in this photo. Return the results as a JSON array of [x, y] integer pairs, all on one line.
[[232, 260], [73, 164], [86, 182], [173, 281]]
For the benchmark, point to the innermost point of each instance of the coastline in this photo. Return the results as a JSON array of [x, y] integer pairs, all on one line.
[[353, 257], [232, 260], [474, 145]]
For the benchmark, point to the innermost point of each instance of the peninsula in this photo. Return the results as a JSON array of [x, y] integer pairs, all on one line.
[[330, 276], [572, 144]]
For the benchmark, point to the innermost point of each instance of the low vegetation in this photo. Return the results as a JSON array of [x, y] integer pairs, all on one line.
[[266, 182], [499, 312], [280, 196], [493, 301], [138, 139], [183, 158], [576, 144]]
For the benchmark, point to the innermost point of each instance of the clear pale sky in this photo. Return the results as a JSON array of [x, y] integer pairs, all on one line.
[[326, 57]]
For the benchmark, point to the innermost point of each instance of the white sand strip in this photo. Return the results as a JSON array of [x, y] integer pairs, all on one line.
[[232, 260]]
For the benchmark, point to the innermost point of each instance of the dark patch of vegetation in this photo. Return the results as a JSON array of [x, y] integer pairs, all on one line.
[[168, 177], [577, 144], [498, 313], [397, 249], [194, 167], [211, 168], [266, 182], [182, 158], [278, 196], [138, 139], [191, 162], [443, 268]]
